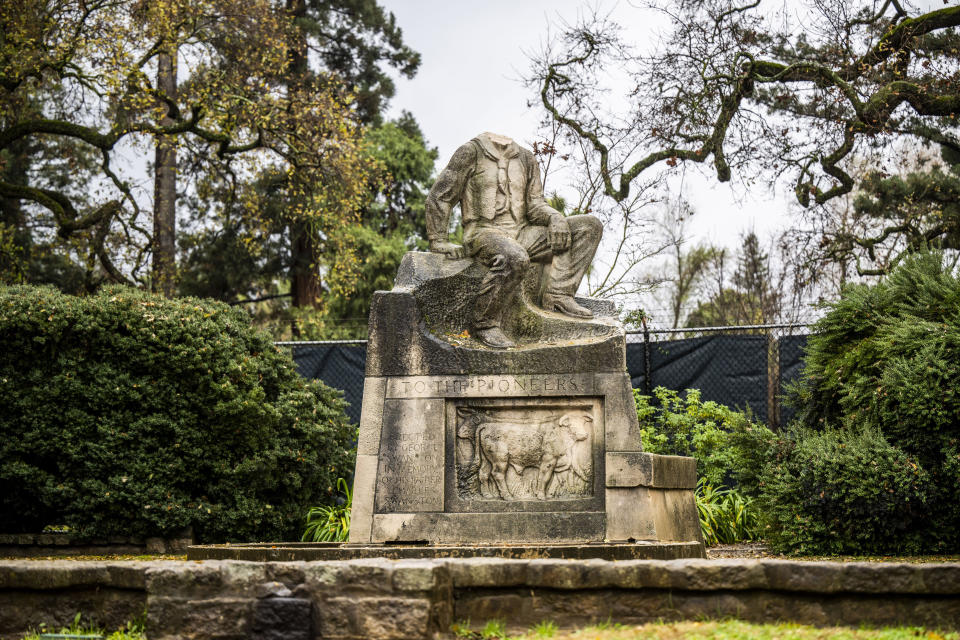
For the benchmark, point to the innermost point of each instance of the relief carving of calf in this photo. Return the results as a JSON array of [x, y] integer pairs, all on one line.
[[546, 445]]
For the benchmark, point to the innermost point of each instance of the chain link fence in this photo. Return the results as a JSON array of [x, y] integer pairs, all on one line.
[[744, 367]]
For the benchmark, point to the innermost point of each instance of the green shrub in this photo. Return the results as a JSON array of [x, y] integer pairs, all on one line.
[[887, 357], [727, 445], [127, 414], [330, 523], [726, 515], [845, 491]]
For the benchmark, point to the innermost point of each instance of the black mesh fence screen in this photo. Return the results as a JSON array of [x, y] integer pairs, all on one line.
[[736, 367], [729, 369], [791, 366], [339, 365]]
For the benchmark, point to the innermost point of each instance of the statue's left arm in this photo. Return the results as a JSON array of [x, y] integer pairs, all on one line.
[[542, 214]]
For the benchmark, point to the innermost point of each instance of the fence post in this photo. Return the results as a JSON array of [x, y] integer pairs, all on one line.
[[773, 380], [647, 385]]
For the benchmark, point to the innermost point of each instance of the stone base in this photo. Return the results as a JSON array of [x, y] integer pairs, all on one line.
[[318, 551], [460, 444]]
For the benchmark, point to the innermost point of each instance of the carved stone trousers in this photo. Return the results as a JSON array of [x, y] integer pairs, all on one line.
[[507, 260]]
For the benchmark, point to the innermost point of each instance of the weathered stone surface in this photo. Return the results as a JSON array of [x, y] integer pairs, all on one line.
[[623, 428], [639, 469], [555, 526], [364, 488], [548, 453], [282, 619], [34, 545], [287, 553], [629, 517], [371, 416], [378, 598], [23, 609], [410, 467], [380, 618], [225, 618]]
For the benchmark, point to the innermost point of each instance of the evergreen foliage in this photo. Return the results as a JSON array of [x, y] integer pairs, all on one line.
[[882, 382], [845, 491], [127, 414]]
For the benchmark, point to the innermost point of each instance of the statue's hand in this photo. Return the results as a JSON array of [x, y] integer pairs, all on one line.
[[452, 251], [558, 233]]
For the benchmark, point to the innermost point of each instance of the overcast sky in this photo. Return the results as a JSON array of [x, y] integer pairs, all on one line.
[[474, 54]]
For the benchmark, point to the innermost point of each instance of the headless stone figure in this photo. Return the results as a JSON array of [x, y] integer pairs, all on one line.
[[506, 225]]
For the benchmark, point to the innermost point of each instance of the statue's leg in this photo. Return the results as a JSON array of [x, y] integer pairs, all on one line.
[[568, 268], [506, 260]]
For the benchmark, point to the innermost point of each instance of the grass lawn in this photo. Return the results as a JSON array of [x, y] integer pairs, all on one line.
[[716, 630]]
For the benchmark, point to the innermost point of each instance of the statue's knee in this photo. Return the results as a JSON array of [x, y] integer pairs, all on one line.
[[592, 225], [516, 261]]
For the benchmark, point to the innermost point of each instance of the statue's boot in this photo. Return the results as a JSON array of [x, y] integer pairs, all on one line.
[[493, 338], [565, 305]]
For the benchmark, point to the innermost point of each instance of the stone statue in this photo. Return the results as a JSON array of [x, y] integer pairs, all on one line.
[[506, 225]]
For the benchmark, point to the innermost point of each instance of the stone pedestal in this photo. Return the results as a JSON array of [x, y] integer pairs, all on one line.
[[537, 444]]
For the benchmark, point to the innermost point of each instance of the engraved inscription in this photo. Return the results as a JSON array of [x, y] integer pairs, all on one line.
[[490, 385], [524, 453], [410, 463]]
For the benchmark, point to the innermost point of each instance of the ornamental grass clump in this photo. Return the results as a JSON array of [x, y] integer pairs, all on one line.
[[124, 413]]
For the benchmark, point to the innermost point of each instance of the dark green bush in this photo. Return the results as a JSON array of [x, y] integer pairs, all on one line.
[[887, 357], [845, 491], [126, 414], [728, 446]]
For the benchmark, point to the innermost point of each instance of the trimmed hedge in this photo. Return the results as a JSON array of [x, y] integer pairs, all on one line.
[[845, 491], [124, 413]]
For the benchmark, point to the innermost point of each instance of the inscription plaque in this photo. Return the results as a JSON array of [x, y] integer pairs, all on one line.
[[410, 461]]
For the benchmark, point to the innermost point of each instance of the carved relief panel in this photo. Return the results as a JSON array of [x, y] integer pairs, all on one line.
[[524, 454]]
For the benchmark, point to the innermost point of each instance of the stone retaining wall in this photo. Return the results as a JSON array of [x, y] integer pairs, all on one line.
[[34, 545], [229, 600]]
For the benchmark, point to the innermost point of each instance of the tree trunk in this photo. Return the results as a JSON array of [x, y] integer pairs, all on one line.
[[305, 284], [165, 189]]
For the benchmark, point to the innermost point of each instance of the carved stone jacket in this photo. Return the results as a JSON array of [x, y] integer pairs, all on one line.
[[496, 186]]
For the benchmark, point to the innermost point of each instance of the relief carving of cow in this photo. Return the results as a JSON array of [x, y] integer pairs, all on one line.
[[547, 445]]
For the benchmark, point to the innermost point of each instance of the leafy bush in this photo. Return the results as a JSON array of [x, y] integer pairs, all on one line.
[[886, 357], [127, 414], [845, 491], [727, 445]]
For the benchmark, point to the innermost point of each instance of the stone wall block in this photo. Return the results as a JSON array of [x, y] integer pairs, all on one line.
[[370, 618], [568, 574], [941, 578], [418, 575], [630, 514], [716, 575], [170, 618], [629, 469], [864, 577], [209, 579], [639, 574], [282, 618], [288, 574], [786, 575], [488, 572]]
